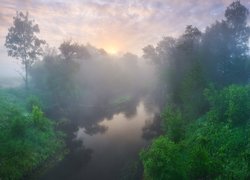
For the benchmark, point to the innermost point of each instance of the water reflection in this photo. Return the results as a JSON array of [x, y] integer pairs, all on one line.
[[90, 117], [119, 129], [152, 128], [113, 149], [103, 147], [72, 164]]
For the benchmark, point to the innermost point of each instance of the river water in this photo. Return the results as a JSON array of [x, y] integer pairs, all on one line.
[[110, 150]]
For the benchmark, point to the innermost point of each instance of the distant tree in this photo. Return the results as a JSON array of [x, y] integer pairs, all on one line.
[[236, 15], [189, 41], [236, 18], [149, 53], [23, 43], [174, 59], [163, 57], [70, 51], [162, 54], [56, 75], [225, 46]]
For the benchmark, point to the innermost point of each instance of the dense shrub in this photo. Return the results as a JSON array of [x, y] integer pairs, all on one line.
[[27, 138], [215, 146], [163, 160]]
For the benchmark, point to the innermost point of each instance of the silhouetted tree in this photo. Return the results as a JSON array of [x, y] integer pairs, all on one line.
[[23, 43], [225, 47], [174, 59], [190, 40], [70, 51]]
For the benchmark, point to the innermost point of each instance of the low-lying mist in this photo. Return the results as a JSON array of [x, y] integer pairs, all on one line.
[[82, 76]]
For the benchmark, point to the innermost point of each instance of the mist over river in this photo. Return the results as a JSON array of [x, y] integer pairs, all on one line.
[[111, 152]]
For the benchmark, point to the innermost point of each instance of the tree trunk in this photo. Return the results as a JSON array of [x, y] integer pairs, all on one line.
[[26, 76]]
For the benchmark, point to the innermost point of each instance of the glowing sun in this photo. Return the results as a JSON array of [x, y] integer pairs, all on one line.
[[112, 50]]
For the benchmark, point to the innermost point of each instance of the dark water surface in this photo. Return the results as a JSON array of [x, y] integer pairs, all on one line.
[[109, 148]]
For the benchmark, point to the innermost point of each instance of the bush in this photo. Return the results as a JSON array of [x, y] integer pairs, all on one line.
[[18, 127], [40, 122], [27, 139], [33, 101], [173, 123], [163, 160], [232, 104], [215, 146]]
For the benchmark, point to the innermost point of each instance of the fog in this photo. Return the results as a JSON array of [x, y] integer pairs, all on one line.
[[91, 76], [9, 73], [124, 90]]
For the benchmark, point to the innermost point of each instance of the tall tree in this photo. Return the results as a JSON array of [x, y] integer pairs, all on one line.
[[225, 46], [189, 41], [174, 59], [22, 42]]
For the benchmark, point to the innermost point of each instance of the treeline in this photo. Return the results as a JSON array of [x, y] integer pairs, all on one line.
[[203, 85], [77, 77], [73, 75], [74, 83]]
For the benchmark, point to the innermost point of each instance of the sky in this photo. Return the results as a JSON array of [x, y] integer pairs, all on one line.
[[118, 26]]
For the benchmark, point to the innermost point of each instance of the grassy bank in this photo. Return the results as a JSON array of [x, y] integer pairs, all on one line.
[[28, 138]]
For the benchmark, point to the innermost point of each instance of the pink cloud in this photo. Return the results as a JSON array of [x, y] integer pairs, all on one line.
[[129, 24]]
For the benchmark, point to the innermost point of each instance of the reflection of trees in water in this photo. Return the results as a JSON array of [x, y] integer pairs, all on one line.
[[79, 155], [132, 170], [73, 162], [90, 117], [96, 128], [129, 109], [152, 128], [150, 104]]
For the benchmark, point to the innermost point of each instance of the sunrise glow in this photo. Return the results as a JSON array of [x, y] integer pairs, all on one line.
[[112, 50], [124, 89]]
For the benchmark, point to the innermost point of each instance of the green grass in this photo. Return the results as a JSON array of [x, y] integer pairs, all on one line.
[[27, 138]]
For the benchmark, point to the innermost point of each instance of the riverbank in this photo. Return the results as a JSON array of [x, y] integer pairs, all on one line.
[[28, 137]]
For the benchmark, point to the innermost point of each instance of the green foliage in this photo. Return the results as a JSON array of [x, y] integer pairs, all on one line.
[[210, 151], [173, 123], [18, 126], [225, 47], [163, 160], [40, 122], [193, 102], [208, 130], [200, 163], [33, 101], [54, 81], [215, 146], [226, 148], [232, 104], [27, 139]]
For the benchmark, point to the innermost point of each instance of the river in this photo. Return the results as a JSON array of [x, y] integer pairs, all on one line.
[[109, 149]]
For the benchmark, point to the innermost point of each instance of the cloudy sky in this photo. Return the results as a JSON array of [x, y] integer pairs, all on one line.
[[114, 25]]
